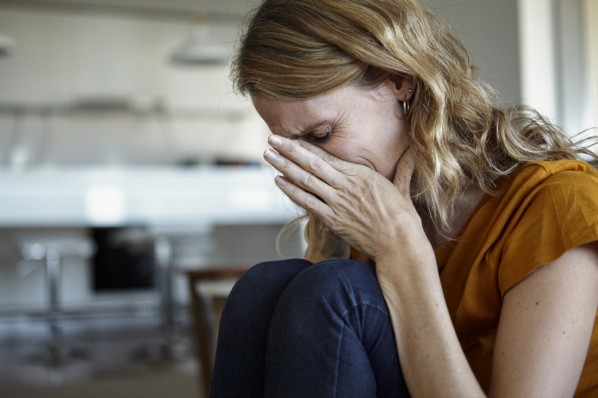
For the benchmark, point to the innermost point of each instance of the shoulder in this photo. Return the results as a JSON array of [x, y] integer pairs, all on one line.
[[548, 209], [564, 184], [553, 171]]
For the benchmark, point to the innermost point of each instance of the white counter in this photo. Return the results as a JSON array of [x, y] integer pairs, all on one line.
[[159, 197]]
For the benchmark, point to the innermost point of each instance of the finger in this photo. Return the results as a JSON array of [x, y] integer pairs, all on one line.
[[311, 203], [404, 172], [311, 158], [332, 160], [300, 177], [344, 167]]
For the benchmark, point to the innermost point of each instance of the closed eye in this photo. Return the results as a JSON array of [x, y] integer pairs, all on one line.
[[321, 136]]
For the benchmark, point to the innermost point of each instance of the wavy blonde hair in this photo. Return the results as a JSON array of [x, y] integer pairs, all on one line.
[[297, 49]]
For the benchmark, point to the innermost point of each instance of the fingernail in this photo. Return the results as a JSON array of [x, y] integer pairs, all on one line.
[[274, 140], [269, 154], [280, 181]]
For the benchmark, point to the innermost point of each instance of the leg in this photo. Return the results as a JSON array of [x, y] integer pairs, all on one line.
[[331, 336], [241, 350]]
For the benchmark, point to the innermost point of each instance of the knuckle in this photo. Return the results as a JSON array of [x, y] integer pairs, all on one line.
[[350, 188], [331, 160], [311, 203], [316, 164], [310, 181], [336, 224]]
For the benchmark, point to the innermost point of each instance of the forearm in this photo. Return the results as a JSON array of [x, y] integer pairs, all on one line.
[[431, 356]]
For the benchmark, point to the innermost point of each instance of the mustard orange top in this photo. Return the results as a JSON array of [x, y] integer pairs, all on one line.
[[544, 210]]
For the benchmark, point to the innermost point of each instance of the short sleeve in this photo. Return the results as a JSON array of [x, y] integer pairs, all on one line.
[[557, 215]]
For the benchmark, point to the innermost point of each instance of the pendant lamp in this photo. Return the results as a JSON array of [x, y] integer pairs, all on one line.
[[204, 45], [6, 45]]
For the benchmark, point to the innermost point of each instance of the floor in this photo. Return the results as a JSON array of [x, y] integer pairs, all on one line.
[[116, 356]]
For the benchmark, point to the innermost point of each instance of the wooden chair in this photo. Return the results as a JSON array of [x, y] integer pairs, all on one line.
[[209, 288]]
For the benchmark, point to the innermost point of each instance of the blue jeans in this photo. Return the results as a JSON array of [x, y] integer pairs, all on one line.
[[293, 329]]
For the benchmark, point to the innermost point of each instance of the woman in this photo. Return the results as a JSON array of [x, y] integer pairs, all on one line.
[[452, 245]]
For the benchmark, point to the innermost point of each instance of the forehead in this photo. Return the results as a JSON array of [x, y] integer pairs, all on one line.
[[273, 106]]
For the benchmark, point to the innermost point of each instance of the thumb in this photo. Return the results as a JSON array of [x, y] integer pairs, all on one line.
[[404, 172]]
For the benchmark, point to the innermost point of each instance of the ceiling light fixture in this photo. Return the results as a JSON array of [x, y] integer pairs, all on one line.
[[6, 45], [205, 45]]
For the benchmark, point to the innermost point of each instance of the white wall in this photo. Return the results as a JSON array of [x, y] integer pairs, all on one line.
[[538, 53], [64, 58], [591, 37], [556, 47], [489, 30]]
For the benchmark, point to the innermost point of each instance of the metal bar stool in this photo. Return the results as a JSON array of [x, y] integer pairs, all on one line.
[[52, 250], [173, 247]]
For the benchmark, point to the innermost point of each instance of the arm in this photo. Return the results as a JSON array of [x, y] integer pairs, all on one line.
[[546, 326], [432, 360], [378, 218], [544, 332]]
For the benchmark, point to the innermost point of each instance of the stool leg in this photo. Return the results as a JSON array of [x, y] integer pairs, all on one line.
[[172, 345], [58, 351], [53, 273], [164, 258]]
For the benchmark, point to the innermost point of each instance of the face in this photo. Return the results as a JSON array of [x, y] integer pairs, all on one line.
[[357, 124]]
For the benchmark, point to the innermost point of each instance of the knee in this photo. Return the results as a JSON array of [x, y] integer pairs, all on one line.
[[265, 279], [334, 293], [332, 275], [343, 282], [269, 272]]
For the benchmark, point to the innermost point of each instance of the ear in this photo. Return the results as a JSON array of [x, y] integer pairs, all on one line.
[[402, 86]]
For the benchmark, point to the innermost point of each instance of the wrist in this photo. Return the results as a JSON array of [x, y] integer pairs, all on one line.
[[406, 253]]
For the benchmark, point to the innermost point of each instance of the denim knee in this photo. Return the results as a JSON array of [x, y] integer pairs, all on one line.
[[268, 272], [354, 280], [337, 287], [331, 330], [264, 280], [246, 318]]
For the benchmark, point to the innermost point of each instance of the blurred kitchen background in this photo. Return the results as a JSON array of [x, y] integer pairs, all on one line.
[[130, 170]]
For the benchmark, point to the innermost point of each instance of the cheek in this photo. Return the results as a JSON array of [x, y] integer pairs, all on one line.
[[343, 150], [370, 153], [349, 150], [375, 145], [389, 147]]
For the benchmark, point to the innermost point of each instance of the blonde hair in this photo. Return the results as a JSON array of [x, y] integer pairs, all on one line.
[[297, 49]]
